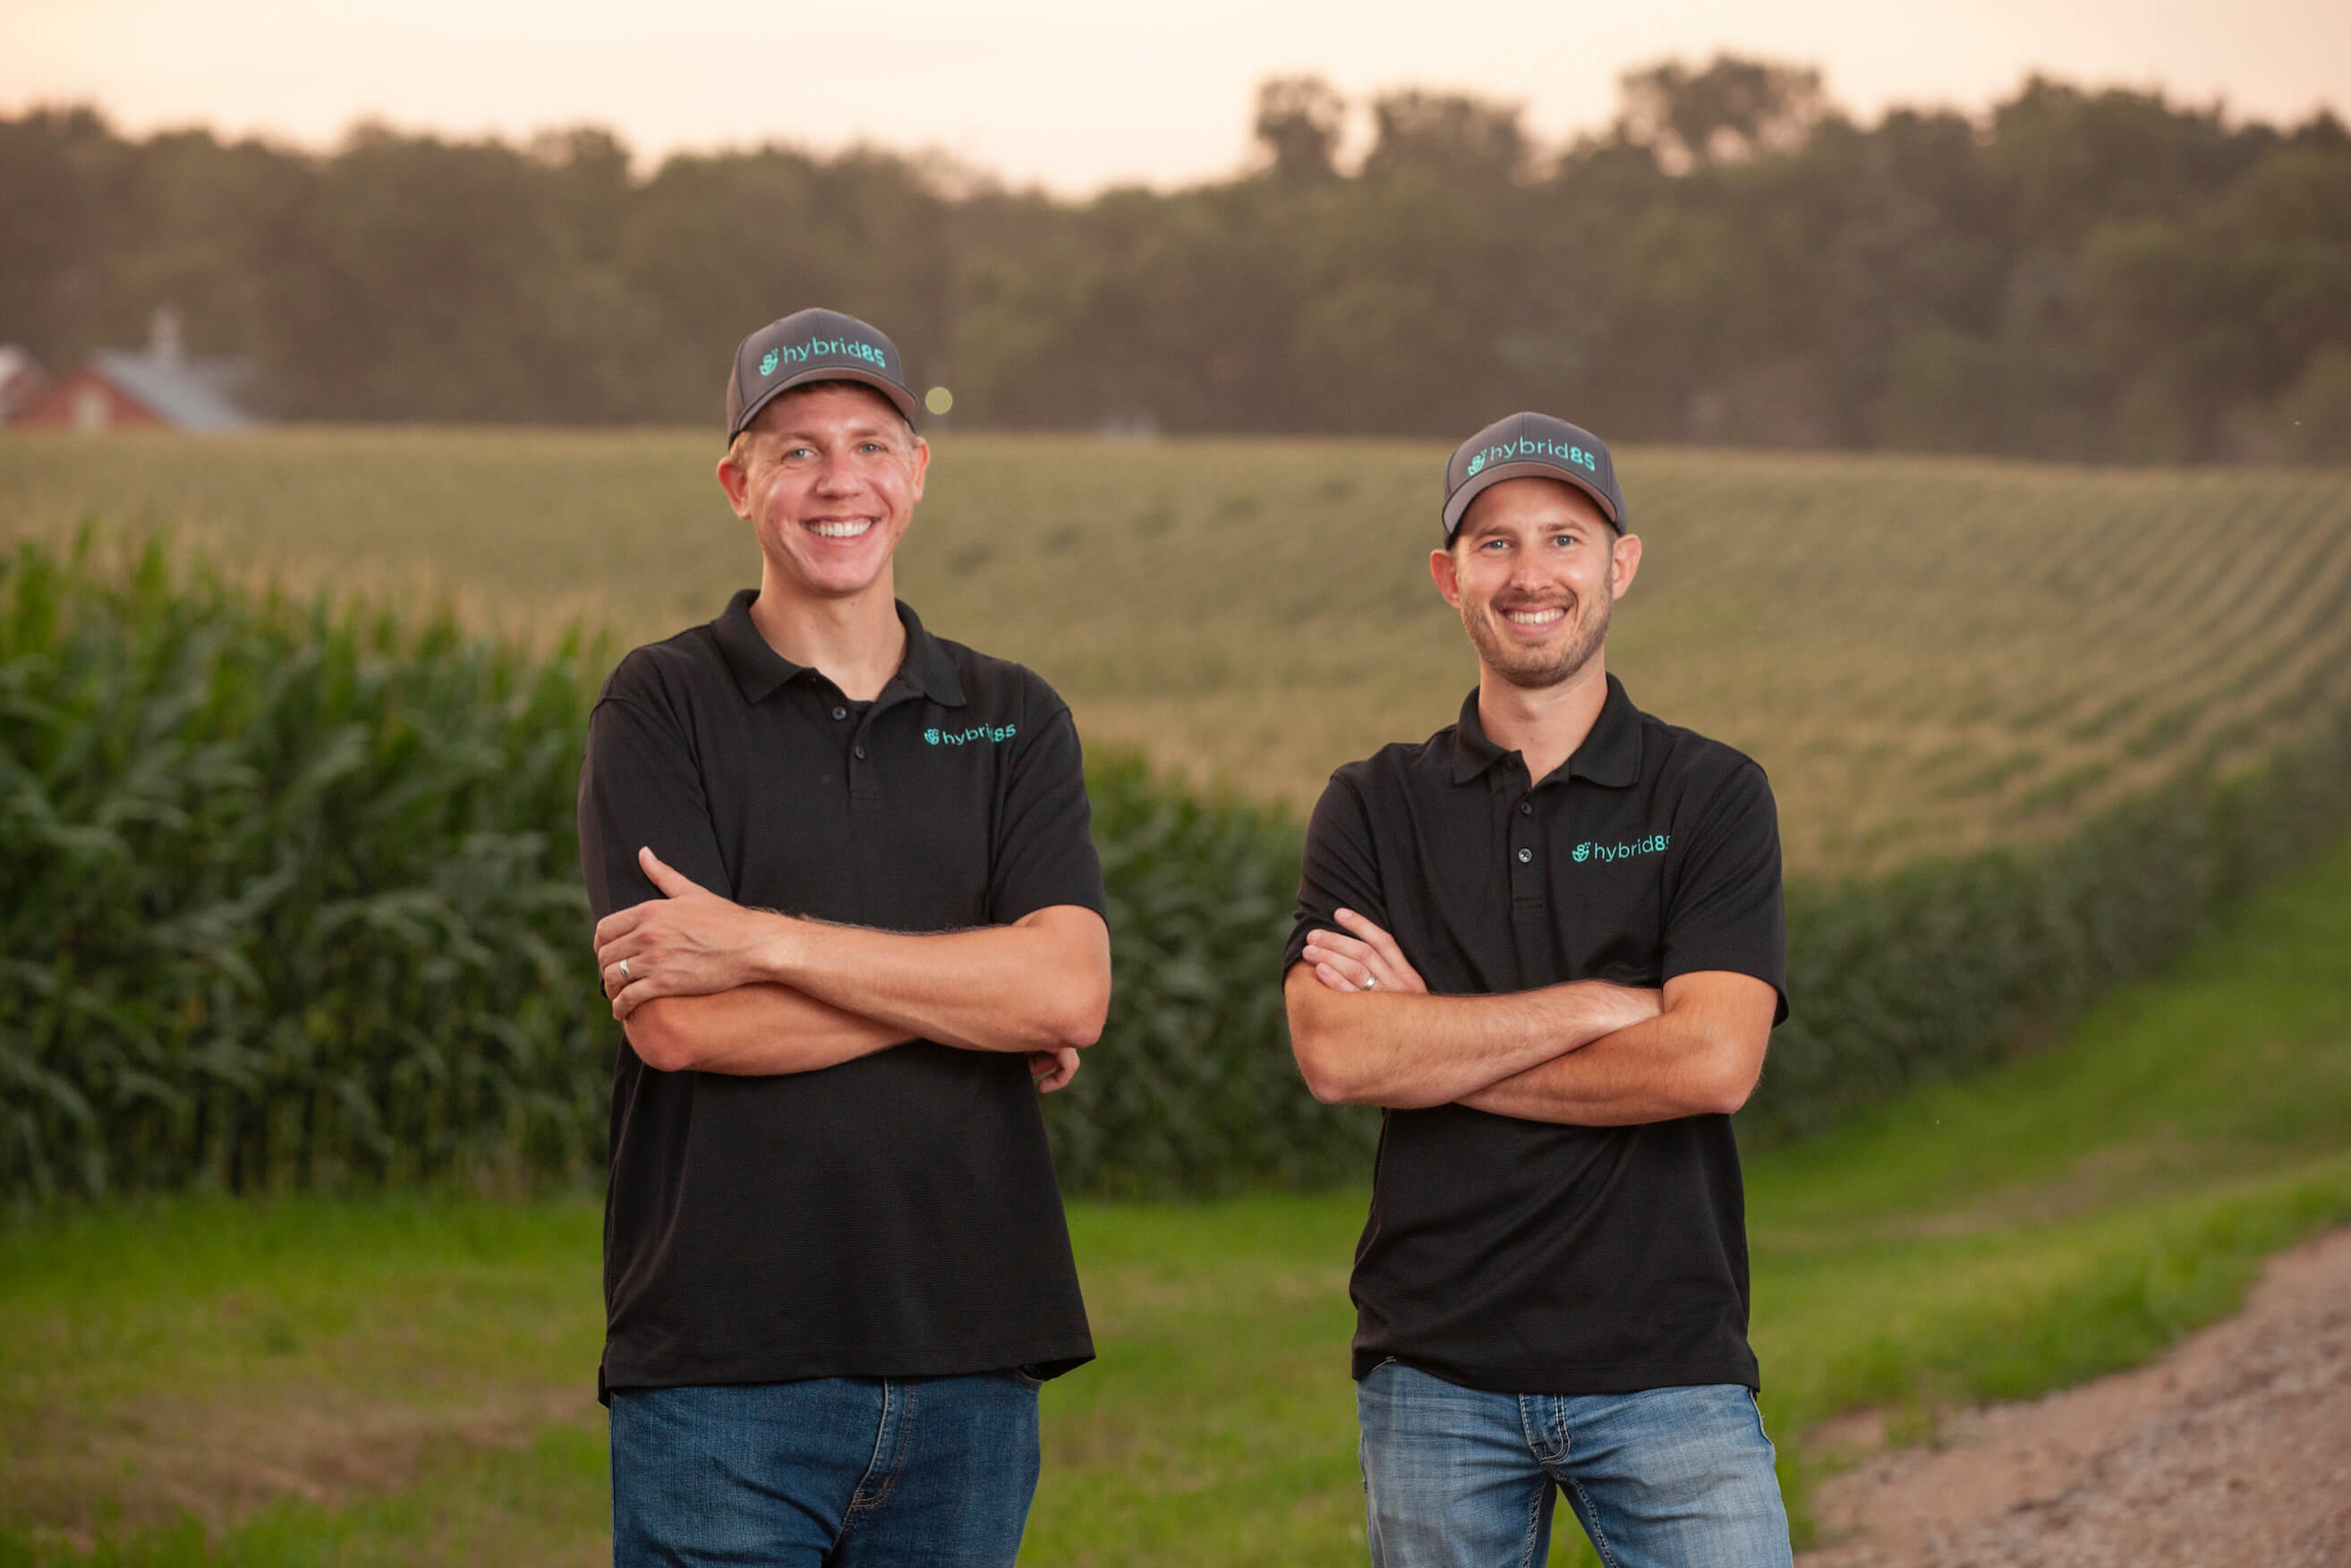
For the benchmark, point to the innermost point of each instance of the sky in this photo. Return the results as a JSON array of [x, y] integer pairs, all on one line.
[[1075, 95]]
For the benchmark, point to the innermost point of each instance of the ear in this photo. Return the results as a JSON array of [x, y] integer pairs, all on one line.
[[1623, 564], [738, 486], [919, 466], [1446, 574]]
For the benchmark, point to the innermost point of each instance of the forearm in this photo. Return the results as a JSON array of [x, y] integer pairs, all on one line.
[[754, 1030], [1037, 985], [1701, 1056], [1408, 1049]]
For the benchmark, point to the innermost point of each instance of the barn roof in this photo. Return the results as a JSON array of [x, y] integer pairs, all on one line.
[[193, 395]]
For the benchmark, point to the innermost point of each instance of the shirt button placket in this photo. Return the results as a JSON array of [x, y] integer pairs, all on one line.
[[1523, 890], [862, 793]]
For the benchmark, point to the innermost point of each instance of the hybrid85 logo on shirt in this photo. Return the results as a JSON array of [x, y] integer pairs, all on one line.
[[1591, 850], [964, 738]]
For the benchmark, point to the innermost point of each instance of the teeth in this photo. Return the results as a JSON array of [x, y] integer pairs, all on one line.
[[840, 531], [1535, 617]]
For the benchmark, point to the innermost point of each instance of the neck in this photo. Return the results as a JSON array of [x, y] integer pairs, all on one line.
[[857, 642], [1543, 725]]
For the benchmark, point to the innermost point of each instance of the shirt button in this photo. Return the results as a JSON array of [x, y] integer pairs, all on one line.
[[840, 712], [860, 752], [1525, 856], [1526, 808]]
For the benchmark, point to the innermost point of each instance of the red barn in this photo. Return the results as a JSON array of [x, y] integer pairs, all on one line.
[[161, 389]]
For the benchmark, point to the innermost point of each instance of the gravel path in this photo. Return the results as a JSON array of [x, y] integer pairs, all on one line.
[[2234, 1448]]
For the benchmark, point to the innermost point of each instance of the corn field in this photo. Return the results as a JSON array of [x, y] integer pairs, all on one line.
[[292, 899], [291, 895]]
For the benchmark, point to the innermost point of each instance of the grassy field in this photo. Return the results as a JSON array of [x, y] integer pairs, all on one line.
[[1928, 655], [314, 1380]]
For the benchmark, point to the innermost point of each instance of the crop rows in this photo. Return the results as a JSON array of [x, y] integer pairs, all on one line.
[[1931, 657], [291, 897], [292, 900]]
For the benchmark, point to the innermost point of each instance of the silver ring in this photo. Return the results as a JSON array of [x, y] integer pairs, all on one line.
[[1371, 981], [624, 970]]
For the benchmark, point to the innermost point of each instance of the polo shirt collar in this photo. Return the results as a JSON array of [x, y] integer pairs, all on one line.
[[760, 670], [1610, 755]]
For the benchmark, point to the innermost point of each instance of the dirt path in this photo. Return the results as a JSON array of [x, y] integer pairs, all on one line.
[[2234, 1448]]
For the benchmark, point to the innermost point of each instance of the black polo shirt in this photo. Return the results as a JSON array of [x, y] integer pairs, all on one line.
[[893, 1215], [1517, 1256]]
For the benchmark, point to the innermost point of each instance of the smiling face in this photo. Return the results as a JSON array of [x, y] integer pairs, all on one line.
[[827, 477], [1535, 572]]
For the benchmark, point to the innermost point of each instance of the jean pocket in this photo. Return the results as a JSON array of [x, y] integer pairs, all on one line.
[[1025, 1376]]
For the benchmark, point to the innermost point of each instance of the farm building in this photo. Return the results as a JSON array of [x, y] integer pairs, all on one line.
[[21, 380], [161, 389]]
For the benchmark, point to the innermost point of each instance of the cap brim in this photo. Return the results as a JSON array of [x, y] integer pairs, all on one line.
[[900, 398], [1458, 502]]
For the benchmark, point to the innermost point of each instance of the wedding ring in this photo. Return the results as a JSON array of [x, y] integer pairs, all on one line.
[[624, 970], [1371, 982]]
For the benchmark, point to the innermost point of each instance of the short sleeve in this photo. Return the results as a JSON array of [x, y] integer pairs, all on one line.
[[1341, 869], [1723, 906], [639, 787], [1044, 852]]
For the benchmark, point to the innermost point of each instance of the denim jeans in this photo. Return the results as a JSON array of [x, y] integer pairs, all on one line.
[[851, 1472], [1669, 1478]]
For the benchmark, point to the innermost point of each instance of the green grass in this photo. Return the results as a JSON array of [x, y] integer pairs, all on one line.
[[2071, 1213], [1928, 655]]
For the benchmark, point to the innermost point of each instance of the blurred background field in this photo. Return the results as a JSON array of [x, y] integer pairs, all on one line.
[[401, 1379], [1929, 655]]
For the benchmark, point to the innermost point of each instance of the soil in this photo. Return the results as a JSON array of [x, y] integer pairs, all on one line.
[[2234, 1448], [160, 1459]]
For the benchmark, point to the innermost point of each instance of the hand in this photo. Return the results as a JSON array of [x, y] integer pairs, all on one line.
[[687, 943], [1366, 958], [1052, 1069]]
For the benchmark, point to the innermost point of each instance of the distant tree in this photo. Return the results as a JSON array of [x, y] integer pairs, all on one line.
[[1299, 123], [1448, 137], [1732, 111]]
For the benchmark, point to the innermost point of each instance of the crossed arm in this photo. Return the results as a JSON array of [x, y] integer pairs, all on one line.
[[1588, 1054], [713, 987]]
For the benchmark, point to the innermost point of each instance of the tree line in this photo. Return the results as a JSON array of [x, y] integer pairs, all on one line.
[[2105, 275]]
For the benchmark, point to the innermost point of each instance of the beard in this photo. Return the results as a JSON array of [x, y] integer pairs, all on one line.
[[1534, 669]]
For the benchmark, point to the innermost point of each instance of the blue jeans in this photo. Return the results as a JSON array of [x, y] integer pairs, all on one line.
[[852, 1472], [1670, 1477]]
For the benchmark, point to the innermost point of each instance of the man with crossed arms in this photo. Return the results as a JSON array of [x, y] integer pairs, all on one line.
[[1548, 940], [836, 1269]]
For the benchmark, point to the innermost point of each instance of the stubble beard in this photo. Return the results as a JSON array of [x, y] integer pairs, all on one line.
[[1534, 669]]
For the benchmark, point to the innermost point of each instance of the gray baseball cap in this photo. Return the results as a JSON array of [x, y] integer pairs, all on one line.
[[813, 346], [1531, 445]]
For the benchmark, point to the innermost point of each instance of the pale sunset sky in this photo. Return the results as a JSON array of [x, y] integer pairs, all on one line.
[[1076, 96]]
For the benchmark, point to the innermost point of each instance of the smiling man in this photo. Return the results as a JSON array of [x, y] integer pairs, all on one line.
[[848, 906], [1548, 940]]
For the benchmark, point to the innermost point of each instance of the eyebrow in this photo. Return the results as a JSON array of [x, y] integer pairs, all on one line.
[[856, 432], [1496, 530]]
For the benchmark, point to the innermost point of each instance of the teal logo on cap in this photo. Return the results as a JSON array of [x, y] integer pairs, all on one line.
[[1558, 452], [824, 348]]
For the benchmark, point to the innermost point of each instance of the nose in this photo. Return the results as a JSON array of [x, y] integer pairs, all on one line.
[[836, 475]]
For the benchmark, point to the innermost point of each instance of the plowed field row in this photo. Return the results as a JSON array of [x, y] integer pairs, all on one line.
[[1928, 655]]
